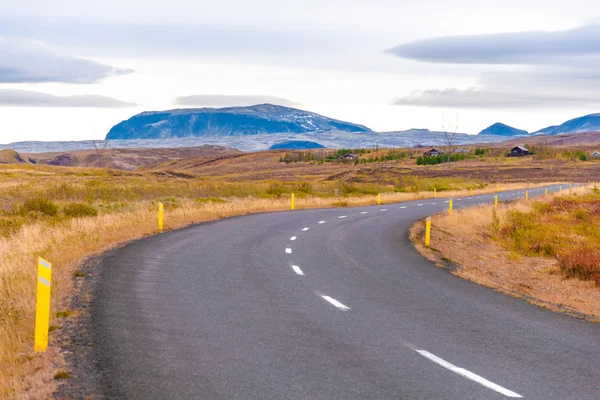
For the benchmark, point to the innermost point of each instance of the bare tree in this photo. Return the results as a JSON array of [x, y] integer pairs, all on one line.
[[100, 147], [449, 136]]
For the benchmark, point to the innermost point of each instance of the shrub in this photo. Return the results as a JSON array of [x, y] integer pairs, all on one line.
[[203, 200], [10, 225], [40, 205], [79, 210], [582, 262]]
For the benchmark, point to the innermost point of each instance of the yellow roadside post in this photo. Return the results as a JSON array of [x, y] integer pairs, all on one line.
[[496, 201], [293, 205], [427, 231], [546, 192], [42, 306], [470, 192], [527, 195], [434, 193], [378, 198], [161, 216], [450, 207]]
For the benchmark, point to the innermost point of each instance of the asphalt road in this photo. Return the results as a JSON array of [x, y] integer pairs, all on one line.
[[324, 304]]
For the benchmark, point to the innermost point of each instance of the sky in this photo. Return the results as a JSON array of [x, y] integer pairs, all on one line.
[[71, 69]]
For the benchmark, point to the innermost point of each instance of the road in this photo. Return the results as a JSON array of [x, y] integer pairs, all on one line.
[[325, 304]]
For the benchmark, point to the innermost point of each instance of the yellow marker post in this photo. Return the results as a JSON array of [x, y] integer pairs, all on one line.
[[470, 192], [42, 306], [378, 198], [434, 193], [450, 207], [496, 201], [546, 192], [161, 216], [427, 231], [527, 195], [293, 205]]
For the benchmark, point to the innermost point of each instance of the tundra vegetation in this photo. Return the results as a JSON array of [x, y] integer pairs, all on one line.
[[66, 214], [545, 250]]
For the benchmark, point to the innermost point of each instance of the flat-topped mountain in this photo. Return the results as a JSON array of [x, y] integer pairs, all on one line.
[[231, 121], [500, 129]]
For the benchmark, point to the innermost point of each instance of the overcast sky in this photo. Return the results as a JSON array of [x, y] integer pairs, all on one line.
[[71, 69]]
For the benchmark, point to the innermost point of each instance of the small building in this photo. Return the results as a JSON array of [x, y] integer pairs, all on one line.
[[596, 154], [518, 151], [433, 152], [349, 156]]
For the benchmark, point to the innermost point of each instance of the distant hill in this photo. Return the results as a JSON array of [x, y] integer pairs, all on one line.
[[296, 145], [128, 159], [588, 123], [231, 121], [500, 129], [10, 157]]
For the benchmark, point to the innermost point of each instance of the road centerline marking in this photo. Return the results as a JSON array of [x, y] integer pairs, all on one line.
[[297, 270], [288, 250], [383, 209], [402, 206], [342, 216], [364, 212], [305, 229], [335, 303], [293, 238], [321, 222], [468, 374]]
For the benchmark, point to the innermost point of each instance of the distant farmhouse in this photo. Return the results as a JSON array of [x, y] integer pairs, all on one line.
[[349, 156], [596, 154], [518, 151], [433, 153]]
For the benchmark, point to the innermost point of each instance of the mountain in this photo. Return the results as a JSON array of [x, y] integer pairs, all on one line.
[[231, 121], [296, 145], [500, 129], [588, 123]]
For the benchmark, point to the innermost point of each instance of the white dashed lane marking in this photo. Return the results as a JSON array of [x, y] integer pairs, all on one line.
[[383, 209], [336, 303], [342, 216], [364, 212], [468, 374], [297, 270], [288, 250], [403, 207], [293, 238], [305, 229], [419, 205], [321, 222]]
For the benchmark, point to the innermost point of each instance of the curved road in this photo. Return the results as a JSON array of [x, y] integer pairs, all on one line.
[[324, 304]]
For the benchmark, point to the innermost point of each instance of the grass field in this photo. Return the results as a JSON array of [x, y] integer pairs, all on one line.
[[65, 214], [545, 250]]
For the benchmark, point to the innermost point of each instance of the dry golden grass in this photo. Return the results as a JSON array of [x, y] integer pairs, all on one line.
[[66, 242], [465, 239]]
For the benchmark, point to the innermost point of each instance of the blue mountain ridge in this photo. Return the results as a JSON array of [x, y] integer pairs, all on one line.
[[501, 129], [231, 121], [587, 123]]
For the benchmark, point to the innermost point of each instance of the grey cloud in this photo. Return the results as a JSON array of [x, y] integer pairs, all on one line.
[[534, 47], [27, 98], [220, 100], [30, 61], [492, 98]]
